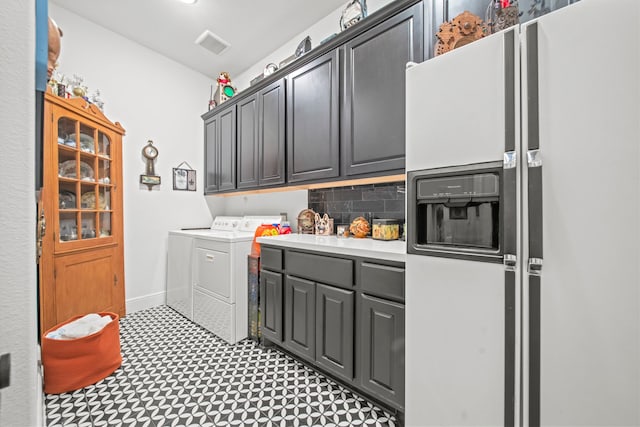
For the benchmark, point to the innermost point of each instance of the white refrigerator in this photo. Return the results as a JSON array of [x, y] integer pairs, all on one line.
[[523, 235]]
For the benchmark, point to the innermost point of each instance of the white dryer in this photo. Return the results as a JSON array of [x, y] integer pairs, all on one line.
[[217, 294]]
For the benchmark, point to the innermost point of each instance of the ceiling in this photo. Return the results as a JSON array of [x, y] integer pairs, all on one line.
[[253, 28]]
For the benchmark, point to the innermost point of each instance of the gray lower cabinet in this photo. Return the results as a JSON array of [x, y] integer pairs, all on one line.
[[334, 330], [382, 349], [313, 120], [220, 151], [342, 314], [271, 305], [300, 317], [373, 114]]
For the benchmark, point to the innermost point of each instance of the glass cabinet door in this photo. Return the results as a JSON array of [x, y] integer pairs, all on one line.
[[84, 181]]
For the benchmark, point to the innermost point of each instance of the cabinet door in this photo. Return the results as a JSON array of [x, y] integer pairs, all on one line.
[[271, 305], [211, 155], [248, 142], [382, 349], [334, 330], [227, 135], [373, 117], [312, 120], [220, 151], [87, 282], [271, 135], [299, 317]]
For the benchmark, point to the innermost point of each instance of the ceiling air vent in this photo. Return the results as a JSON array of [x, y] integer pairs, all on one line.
[[213, 43]]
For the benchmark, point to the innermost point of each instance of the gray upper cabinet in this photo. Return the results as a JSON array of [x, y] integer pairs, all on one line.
[[271, 134], [313, 120], [373, 115], [338, 114], [211, 155], [248, 155], [220, 151], [261, 137], [227, 166]]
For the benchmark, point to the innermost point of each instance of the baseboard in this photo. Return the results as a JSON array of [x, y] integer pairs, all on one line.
[[144, 302]]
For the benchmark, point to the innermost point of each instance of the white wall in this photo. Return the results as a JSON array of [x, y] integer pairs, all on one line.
[[20, 403], [318, 32], [158, 99], [153, 98]]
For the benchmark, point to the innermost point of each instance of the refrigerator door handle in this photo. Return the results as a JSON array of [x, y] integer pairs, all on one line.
[[509, 208], [534, 266], [534, 159], [510, 261]]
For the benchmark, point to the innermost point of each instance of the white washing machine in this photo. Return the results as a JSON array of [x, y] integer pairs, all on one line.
[[215, 293]]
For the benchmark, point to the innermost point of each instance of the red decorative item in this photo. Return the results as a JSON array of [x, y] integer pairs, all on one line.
[[262, 230]]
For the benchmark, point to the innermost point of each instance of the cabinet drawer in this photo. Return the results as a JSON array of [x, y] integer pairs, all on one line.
[[271, 258], [333, 271], [382, 280]]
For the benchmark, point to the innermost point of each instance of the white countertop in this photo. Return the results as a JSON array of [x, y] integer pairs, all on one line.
[[392, 250]]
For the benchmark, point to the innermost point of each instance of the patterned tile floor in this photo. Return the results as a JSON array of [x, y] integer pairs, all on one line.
[[177, 373]]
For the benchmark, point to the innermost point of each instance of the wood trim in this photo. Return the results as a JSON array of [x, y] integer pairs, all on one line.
[[85, 109], [341, 183]]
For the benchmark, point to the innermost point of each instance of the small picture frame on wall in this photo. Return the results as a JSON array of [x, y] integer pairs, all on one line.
[[184, 179]]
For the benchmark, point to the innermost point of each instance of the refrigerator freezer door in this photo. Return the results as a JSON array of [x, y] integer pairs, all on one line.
[[583, 308], [456, 109]]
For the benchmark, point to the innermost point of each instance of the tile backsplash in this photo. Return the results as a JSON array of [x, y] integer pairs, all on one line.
[[344, 204]]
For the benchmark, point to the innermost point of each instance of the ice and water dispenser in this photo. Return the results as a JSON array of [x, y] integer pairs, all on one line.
[[456, 212]]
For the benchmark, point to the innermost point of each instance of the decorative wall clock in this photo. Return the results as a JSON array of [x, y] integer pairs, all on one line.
[[149, 178]]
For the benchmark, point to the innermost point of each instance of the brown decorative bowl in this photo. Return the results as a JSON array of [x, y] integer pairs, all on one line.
[[360, 227]]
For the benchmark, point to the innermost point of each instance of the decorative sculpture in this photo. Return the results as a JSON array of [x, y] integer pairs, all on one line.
[[461, 30], [224, 91]]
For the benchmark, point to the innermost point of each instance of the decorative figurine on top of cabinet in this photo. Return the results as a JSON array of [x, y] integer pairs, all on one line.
[[502, 14], [224, 91], [461, 30], [355, 11], [78, 88]]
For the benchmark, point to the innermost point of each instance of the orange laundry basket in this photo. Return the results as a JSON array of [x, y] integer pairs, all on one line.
[[73, 364]]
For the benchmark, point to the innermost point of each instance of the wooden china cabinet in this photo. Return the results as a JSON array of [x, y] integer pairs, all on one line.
[[82, 262]]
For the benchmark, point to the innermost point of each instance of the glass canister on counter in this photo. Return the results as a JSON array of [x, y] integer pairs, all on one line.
[[386, 229]]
